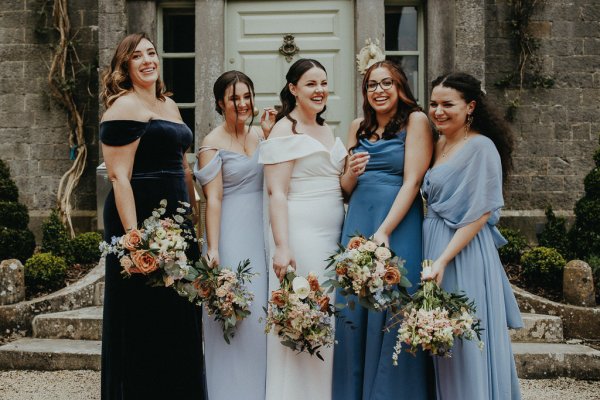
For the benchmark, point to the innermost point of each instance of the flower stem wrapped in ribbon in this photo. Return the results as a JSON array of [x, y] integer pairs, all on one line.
[[369, 271], [299, 312], [433, 319], [223, 292]]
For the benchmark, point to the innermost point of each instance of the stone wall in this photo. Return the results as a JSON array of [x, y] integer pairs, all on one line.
[[557, 128], [33, 128]]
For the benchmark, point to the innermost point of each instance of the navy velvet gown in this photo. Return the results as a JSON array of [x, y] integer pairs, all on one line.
[[151, 337]]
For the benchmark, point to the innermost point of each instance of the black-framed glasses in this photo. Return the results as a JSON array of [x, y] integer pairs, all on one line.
[[385, 84]]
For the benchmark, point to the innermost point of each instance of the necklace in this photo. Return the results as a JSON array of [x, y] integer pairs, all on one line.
[[446, 151]]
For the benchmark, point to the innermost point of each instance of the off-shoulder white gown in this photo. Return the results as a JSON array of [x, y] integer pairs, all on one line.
[[315, 217]]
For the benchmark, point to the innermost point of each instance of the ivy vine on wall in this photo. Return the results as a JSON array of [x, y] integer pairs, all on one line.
[[528, 73], [65, 74]]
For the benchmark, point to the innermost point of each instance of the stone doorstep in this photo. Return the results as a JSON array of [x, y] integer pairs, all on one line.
[[51, 354], [82, 324], [551, 360], [539, 328]]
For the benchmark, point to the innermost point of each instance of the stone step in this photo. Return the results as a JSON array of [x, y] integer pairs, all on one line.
[[552, 360], [99, 293], [539, 328], [50, 354], [82, 324]]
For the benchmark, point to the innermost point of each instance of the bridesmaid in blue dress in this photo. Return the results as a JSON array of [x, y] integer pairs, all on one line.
[[464, 197], [391, 150], [151, 337], [232, 181]]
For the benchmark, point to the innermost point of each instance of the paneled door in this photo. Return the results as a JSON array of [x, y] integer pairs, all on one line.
[[323, 30]]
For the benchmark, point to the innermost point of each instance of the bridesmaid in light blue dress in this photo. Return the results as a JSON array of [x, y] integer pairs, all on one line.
[[391, 150], [232, 181], [464, 197]]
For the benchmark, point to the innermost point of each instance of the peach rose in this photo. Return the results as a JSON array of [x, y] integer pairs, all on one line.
[[132, 240], [355, 242], [144, 261], [202, 287], [278, 298], [341, 270], [313, 281], [324, 303], [392, 276]]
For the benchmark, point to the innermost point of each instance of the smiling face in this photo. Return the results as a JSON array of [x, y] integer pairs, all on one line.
[[448, 110], [311, 91], [382, 100], [144, 65], [240, 98]]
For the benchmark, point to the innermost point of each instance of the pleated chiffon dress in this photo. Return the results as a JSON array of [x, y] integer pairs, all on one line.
[[238, 370], [151, 337], [363, 367], [459, 191]]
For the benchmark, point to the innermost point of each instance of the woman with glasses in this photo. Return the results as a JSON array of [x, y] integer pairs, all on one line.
[[391, 148]]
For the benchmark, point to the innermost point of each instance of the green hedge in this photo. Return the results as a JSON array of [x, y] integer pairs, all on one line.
[[543, 266], [84, 247], [517, 244], [16, 243], [46, 269]]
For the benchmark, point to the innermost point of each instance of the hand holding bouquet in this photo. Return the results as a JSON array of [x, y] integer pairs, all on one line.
[[371, 272], [300, 314], [434, 318], [157, 249], [222, 291]]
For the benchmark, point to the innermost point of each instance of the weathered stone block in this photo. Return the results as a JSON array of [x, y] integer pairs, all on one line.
[[578, 284], [12, 282], [547, 183]]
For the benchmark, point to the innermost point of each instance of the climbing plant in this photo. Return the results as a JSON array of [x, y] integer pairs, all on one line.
[[528, 71], [65, 70]]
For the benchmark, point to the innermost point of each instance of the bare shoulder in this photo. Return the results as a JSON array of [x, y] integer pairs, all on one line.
[[418, 118], [214, 138], [126, 107], [418, 123], [354, 125], [171, 109], [282, 128]]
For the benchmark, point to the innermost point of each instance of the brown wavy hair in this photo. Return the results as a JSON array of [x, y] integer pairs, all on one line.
[[115, 78], [407, 104], [231, 78]]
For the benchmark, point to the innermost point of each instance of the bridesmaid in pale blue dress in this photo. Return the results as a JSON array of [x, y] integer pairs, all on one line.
[[464, 197], [232, 181], [391, 150]]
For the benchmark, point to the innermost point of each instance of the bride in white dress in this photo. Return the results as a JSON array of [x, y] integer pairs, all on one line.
[[303, 163]]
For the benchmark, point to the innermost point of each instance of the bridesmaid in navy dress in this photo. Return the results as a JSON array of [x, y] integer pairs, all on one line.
[[232, 181], [391, 150], [464, 196], [151, 337]]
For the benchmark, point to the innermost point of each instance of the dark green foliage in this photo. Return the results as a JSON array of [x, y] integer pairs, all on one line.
[[13, 215], [511, 252], [84, 247], [543, 266], [594, 263], [45, 269], [584, 236], [55, 238], [554, 233], [8, 189], [16, 243]]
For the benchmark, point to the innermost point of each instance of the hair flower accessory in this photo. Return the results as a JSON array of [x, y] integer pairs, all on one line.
[[369, 55]]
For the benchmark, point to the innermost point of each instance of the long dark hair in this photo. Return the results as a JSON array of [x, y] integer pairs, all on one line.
[[486, 120], [288, 100], [406, 105], [116, 80], [231, 78]]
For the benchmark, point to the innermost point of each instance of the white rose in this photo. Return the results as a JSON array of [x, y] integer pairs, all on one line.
[[301, 287], [383, 253], [369, 246], [161, 233]]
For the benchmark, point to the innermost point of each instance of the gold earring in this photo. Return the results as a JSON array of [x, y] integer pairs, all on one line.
[[468, 125], [255, 111]]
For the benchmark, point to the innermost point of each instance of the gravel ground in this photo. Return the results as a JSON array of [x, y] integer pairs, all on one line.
[[85, 385]]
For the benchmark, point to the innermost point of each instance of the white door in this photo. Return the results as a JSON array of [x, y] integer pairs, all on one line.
[[323, 30]]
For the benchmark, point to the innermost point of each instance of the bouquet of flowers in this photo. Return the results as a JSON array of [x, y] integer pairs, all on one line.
[[156, 250], [434, 318], [300, 314], [222, 291], [371, 272]]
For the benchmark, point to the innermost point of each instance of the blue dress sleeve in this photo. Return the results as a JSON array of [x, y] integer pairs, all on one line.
[[210, 171], [473, 190], [121, 132]]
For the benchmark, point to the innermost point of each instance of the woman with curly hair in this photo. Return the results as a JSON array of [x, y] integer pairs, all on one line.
[[151, 337], [463, 189], [391, 149]]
